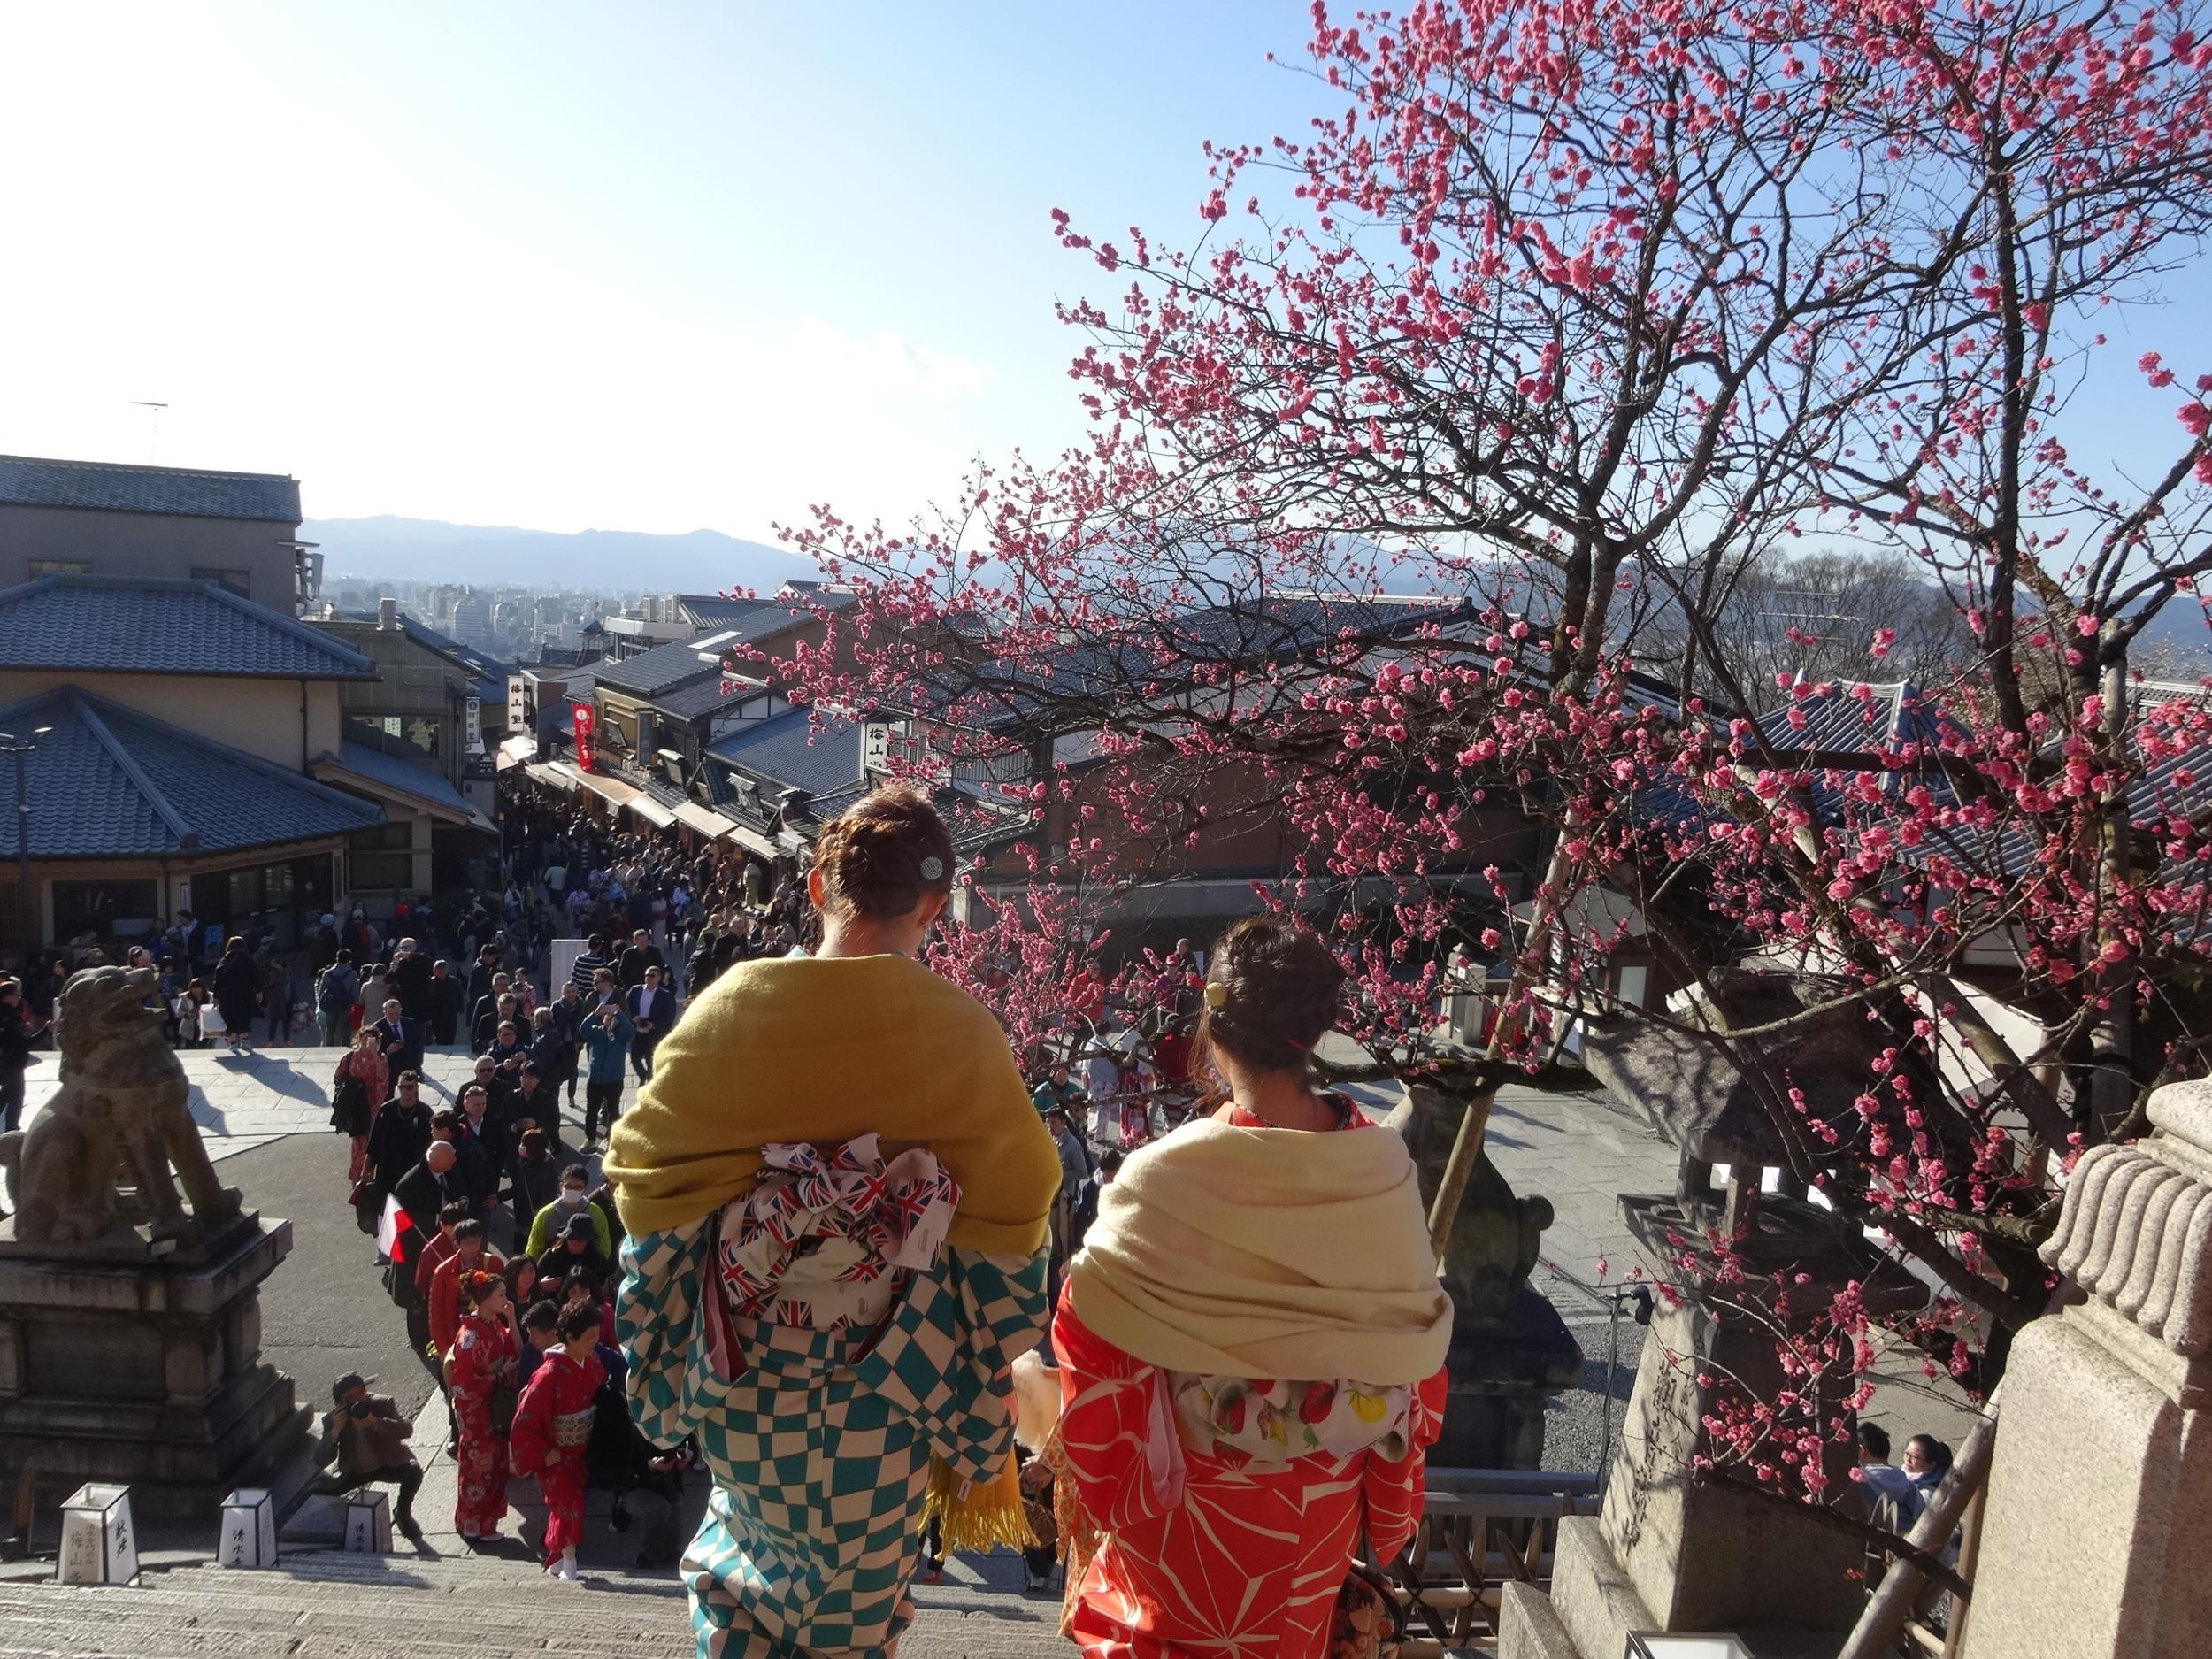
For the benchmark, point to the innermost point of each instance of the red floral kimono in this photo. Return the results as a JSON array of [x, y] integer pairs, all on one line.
[[552, 1435], [472, 1369], [1211, 1556], [1213, 1541]]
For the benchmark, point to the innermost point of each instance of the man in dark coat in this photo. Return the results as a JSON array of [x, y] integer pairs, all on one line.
[[445, 1005], [398, 1137], [401, 1036], [409, 979], [432, 1184]]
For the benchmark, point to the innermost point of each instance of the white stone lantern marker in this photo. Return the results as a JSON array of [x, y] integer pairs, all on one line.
[[368, 1522], [98, 1543], [248, 1538]]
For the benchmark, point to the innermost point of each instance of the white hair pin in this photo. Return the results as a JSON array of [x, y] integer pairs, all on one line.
[[933, 867]]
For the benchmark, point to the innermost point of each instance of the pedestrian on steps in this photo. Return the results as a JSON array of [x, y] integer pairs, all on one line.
[[552, 1433], [480, 1372]]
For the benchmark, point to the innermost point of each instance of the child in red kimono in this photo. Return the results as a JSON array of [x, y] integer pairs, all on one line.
[[480, 1363], [553, 1433]]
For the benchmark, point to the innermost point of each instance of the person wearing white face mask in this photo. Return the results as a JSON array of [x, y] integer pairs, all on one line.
[[546, 1226]]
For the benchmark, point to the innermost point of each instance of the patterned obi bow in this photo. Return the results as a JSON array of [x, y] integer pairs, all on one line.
[[823, 1240]]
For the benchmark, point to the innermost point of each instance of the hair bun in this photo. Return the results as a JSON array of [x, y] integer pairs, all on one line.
[[1275, 990], [884, 853]]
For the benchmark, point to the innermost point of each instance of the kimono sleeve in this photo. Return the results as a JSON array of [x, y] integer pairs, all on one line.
[[533, 1430], [1117, 1436], [655, 1312], [1392, 1489]]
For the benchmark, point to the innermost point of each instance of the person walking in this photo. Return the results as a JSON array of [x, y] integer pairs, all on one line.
[[279, 989], [401, 1132], [356, 1094], [15, 1051], [480, 1371], [881, 1334], [652, 1012], [337, 995], [445, 1005], [607, 1036], [552, 1433], [568, 1201], [237, 993], [1261, 1281]]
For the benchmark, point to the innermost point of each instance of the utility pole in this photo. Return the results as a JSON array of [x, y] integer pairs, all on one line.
[[22, 749]]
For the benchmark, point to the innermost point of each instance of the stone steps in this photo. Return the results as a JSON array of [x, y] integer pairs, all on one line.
[[338, 1606]]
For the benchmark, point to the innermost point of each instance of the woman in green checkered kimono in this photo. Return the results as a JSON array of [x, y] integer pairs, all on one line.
[[837, 1193]]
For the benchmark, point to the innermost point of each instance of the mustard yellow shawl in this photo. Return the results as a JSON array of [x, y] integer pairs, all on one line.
[[803, 1049], [1266, 1252]]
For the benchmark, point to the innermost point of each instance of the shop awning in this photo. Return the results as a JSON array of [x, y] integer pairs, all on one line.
[[550, 773], [611, 789], [707, 821], [651, 810], [753, 841], [518, 751]]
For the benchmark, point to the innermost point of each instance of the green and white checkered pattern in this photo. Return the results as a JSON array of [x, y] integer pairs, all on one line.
[[821, 1451]]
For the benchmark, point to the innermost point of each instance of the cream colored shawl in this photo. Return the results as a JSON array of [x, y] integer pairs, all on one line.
[[1266, 1252]]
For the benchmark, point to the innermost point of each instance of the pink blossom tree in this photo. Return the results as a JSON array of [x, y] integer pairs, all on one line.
[[1565, 316]]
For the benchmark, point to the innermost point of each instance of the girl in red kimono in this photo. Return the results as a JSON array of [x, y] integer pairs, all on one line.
[[1251, 1344], [479, 1364], [553, 1433]]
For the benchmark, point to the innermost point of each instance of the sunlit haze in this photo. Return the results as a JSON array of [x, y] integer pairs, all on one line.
[[653, 268]]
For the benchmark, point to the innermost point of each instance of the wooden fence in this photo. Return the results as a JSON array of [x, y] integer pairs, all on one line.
[[1480, 1530]]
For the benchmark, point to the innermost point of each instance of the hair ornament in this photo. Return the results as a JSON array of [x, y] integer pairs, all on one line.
[[1217, 993], [932, 867]]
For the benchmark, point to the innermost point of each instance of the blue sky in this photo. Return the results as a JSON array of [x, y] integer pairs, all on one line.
[[645, 267], [649, 267]]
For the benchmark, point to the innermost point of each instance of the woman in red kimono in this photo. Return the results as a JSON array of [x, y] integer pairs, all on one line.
[[479, 1364], [1251, 1344], [365, 1064], [553, 1433]]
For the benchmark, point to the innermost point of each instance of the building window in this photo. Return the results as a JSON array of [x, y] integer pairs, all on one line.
[[61, 567], [109, 909], [380, 858], [408, 736], [238, 581]]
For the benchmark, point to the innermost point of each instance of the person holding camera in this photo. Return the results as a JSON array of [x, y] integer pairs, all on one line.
[[366, 1436]]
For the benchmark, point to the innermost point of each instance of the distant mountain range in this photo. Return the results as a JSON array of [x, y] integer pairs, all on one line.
[[424, 549]]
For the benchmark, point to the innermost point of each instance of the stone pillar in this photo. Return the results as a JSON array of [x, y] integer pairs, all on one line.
[[2100, 1498], [1671, 1550]]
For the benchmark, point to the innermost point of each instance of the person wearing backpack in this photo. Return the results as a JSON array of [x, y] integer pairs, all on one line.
[[336, 990]]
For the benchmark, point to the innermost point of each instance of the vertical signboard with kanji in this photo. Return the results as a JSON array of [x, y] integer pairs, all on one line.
[[582, 714]]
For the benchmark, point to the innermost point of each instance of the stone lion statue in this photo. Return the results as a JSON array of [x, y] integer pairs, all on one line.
[[121, 1117]]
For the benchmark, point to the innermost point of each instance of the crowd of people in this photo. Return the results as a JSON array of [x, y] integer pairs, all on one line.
[[1151, 1271]]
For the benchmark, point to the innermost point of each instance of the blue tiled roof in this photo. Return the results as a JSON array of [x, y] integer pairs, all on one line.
[[29, 481], [719, 610], [109, 782], [663, 668], [778, 751], [1831, 718], [124, 624], [402, 775]]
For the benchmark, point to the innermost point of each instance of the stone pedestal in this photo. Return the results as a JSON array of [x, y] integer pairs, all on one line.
[[1670, 1551], [119, 1365], [1511, 1351], [2100, 1497]]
